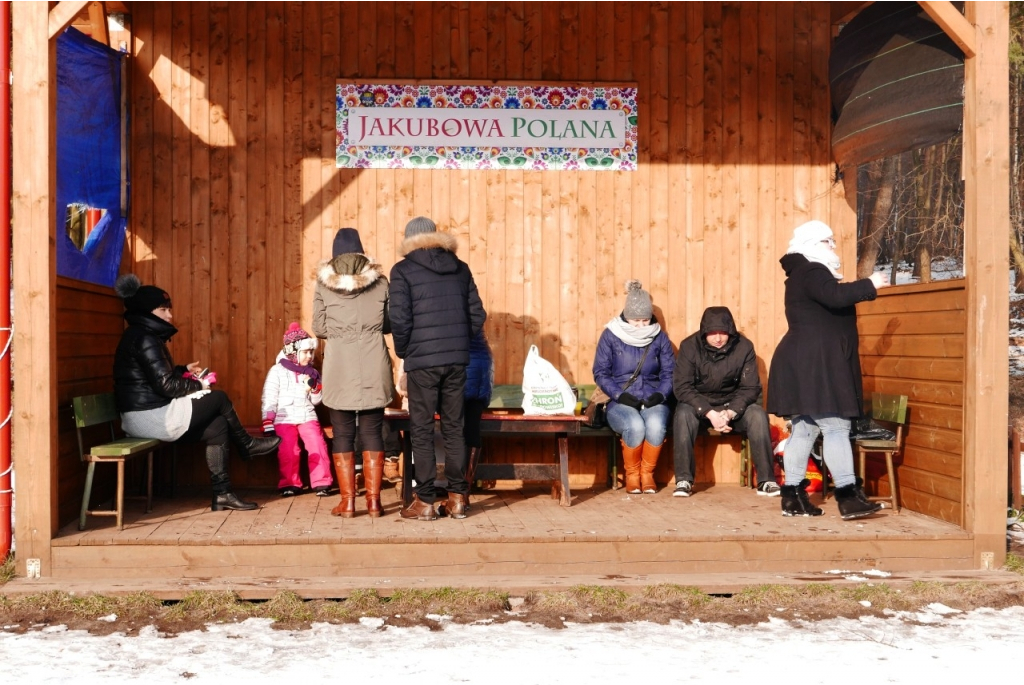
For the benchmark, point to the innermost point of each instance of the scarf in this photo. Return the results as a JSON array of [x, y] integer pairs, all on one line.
[[634, 336], [301, 370], [807, 241]]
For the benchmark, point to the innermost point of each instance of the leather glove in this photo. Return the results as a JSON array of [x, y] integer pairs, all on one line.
[[629, 400], [654, 400]]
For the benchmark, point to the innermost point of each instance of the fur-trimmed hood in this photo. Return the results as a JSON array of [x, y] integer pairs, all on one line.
[[434, 251], [348, 273]]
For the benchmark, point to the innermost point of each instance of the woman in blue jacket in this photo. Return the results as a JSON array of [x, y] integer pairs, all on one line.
[[633, 365]]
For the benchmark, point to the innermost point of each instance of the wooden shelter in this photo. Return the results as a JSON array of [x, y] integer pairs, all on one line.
[[236, 196]]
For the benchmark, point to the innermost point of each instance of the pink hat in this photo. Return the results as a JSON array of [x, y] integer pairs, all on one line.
[[296, 339]]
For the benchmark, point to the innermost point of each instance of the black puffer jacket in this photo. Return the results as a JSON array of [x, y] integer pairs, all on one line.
[[816, 367], [435, 307], [145, 376], [709, 378]]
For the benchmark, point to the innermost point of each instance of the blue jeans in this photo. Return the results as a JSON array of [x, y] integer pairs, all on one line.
[[835, 432], [634, 426]]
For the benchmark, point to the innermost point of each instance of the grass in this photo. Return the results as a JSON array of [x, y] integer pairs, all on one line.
[[583, 603], [1015, 563], [7, 569]]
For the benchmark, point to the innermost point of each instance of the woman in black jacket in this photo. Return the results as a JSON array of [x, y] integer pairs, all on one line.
[[815, 374], [173, 403]]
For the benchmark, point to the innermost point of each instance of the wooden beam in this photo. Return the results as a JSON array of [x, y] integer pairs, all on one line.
[[33, 126], [843, 12], [63, 14], [98, 22], [986, 263], [953, 23]]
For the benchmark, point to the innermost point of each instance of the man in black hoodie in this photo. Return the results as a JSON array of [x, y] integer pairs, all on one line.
[[715, 380], [434, 309]]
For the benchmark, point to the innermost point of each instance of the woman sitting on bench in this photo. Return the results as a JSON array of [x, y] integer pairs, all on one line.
[[633, 366], [162, 401]]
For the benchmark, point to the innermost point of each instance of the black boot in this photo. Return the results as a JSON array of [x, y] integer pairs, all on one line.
[[249, 447], [229, 500], [853, 504], [223, 498], [795, 501]]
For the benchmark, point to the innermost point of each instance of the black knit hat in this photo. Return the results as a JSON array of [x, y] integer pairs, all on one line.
[[346, 241], [138, 298]]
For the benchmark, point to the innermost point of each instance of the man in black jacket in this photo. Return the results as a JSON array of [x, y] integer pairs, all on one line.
[[715, 380], [435, 309]]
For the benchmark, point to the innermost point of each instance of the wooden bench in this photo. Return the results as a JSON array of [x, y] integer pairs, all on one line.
[[504, 417], [93, 410]]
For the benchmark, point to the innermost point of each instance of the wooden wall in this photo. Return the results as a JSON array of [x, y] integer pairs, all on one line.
[[912, 343], [235, 196]]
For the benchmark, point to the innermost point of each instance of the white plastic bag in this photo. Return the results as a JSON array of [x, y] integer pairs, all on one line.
[[544, 389]]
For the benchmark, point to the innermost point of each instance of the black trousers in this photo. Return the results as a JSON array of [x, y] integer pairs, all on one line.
[[440, 389], [753, 423], [369, 423]]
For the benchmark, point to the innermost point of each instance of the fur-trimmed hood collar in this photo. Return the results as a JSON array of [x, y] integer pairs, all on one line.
[[434, 251], [348, 273]]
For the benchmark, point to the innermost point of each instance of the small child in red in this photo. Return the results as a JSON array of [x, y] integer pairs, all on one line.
[[290, 393]]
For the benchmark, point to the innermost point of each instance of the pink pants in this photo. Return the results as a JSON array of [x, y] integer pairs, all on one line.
[[288, 455]]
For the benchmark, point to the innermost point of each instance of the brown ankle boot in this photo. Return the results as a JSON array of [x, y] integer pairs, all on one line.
[[456, 505], [420, 510], [345, 466], [648, 460], [373, 474], [631, 465]]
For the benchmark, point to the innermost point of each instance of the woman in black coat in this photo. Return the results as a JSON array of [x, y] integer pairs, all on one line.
[[815, 374], [162, 401]]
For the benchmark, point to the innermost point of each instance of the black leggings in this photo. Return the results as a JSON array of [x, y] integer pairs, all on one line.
[[370, 424], [208, 423]]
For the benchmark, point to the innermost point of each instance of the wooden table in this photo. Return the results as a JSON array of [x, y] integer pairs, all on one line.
[[510, 422]]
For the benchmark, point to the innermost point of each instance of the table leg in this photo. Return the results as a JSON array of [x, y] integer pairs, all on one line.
[[407, 467], [563, 467]]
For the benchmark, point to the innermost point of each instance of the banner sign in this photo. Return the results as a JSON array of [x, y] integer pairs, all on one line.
[[438, 126]]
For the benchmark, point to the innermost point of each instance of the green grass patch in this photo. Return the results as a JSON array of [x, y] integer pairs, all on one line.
[[1014, 563], [7, 569], [209, 606]]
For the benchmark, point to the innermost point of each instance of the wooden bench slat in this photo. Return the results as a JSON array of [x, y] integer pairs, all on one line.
[[124, 447]]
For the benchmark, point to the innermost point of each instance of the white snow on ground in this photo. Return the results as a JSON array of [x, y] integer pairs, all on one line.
[[930, 645]]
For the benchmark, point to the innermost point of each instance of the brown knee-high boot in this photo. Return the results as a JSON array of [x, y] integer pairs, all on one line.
[[648, 460], [373, 474], [345, 466], [631, 465]]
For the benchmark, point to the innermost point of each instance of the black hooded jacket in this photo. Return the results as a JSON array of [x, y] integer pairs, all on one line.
[[145, 376], [709, 378], [435, 307]]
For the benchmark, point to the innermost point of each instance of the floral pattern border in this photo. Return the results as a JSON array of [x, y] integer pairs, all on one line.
[[351, 95]]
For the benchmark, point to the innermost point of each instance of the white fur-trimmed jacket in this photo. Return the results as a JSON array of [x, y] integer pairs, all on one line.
[[287, 397]]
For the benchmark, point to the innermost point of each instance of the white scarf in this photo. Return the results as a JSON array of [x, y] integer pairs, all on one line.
[[634, 336]]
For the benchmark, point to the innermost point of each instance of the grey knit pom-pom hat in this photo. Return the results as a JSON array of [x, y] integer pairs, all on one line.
[[638, 302]]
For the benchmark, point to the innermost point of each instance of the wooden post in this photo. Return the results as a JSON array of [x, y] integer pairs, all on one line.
[[986, 233], [34, 283]]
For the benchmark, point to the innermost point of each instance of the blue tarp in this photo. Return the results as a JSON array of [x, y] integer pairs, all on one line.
[[89, 154]]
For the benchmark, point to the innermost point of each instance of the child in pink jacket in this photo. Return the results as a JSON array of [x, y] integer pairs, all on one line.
[[290, 393]]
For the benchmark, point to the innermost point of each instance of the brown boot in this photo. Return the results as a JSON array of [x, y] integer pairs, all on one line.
[[373, 474], [419, 510], [648, 460], [345, 466], [456, 505], [631, 465]]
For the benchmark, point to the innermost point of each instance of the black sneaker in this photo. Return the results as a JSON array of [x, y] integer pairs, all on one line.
[[290, 491], [795, 501], [684, 488], [853, 504], [769, 488]]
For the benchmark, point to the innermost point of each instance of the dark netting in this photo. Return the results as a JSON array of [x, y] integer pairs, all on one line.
[[89, 154], [897, 83]]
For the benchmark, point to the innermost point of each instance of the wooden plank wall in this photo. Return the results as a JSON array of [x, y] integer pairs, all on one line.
[[912, 343], [236, 197], [89, 324]]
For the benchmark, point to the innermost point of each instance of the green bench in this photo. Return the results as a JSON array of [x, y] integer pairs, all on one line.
[[94, 410]]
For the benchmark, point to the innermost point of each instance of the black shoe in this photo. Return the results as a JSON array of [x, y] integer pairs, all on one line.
[[795, 501], [853, 504], [291, 491], [230, 501], [325, 491]]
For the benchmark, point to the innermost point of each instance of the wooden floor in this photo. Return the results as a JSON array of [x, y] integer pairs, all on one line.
[[724, 529]]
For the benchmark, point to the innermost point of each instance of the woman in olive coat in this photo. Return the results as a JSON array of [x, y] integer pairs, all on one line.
[[815, 374], [350, 310]]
